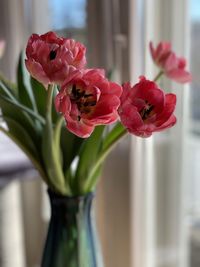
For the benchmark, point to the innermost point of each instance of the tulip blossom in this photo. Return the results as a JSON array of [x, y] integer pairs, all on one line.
[[51, 58], [145, 108], [172, 66], [87, 99]]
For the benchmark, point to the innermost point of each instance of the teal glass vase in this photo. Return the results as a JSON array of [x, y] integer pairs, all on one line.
[[71, 238]]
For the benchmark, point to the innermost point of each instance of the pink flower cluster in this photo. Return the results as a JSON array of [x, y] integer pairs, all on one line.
[[145, 108], [50, 58], [87, 98], [172, 66]]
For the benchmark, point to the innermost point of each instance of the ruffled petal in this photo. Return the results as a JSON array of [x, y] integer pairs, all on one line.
[[37, 72], [179, 75]]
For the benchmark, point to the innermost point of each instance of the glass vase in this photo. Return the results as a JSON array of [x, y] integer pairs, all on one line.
[[71, 239]]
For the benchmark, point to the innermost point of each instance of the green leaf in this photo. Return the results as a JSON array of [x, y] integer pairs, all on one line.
[[14, 112], [21, 124], [70, 146], [11, 86], [4, 90], [40, 95], [25, 92], [19, 136], [87, 157], [24, 108], [116, 131], [90, 183], [109, 142]]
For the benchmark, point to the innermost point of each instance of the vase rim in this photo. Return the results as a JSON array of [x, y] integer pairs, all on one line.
[[53, 194]]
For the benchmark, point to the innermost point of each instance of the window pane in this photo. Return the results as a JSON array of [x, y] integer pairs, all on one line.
[[194, 141], [195, 63], [68, 18]]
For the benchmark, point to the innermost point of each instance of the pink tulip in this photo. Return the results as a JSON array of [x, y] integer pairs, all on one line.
[[172, 66], [87, 99], [51, 58], [145, 108]]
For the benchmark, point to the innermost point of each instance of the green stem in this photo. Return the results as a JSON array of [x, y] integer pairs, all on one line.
[[51, 149], [57, 136], [158, 76], [58, 128], [49, 103], [90, 183]]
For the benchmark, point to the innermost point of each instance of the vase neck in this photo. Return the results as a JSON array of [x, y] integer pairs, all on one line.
[[62, 205]]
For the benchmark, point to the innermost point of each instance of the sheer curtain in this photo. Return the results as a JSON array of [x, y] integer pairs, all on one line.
[[159, 234], [18, 209], [11, 232]]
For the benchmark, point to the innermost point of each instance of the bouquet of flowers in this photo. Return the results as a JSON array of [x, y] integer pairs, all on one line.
[[58, 114]]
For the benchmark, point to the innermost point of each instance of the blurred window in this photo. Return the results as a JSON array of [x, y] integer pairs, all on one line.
[[193, 197], [69, 18], [195, 64]]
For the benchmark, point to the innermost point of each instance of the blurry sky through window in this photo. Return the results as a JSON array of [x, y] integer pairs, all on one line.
[[68, 13], [195, 10]]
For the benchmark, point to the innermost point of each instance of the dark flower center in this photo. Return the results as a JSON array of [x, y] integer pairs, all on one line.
[[83, 100], [52, 54], [146, 111]]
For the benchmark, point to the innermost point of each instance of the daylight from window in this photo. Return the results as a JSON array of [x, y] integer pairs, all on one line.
[[67, 14], [195, 63]]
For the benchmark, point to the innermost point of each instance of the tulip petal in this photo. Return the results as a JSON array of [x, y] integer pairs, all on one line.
[[170, 103], [79, 128], [37, 72], [179, 75], [168, 124]]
